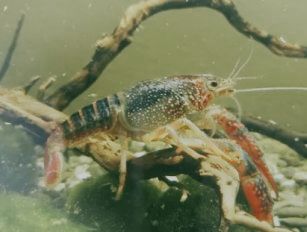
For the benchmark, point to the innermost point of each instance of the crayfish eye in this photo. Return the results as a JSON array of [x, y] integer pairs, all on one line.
[[213, 84]]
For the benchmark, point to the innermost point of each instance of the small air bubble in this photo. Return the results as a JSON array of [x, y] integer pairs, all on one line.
[[155, 223], [92, 95], [272, 122], [282, 40]]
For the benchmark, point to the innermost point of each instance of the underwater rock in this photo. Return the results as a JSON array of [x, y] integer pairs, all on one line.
[[28, 214], [292, 212], [146, 207], [93, 204], [295, 222], [199, 212], [288, 184], [18, 170], [300, 177]]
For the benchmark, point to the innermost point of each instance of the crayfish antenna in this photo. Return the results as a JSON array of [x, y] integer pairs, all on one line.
[[270, 89], [53, 159]]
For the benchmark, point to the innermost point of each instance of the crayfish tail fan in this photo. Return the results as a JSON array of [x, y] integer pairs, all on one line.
[[53, 159]]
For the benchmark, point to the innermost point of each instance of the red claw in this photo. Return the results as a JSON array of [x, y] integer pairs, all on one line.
[[238, 132], [259, 201], [254, 187]]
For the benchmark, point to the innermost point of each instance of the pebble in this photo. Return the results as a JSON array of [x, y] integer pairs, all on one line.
[[81, 172], [292, 212], [288, 184], [72, 182], [288, 172], [136, 146], [293, 159], [279, 178], [85, 159], [60, 187], [281, 163], [154, 146], [300, 177], [294, 221], [155, 223]]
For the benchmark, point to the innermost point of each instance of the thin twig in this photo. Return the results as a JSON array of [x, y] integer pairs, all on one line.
[[43, 88], [31, 83], [10, 52], [111, 45]]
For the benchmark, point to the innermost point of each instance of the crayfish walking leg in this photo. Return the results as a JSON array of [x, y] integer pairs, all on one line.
[[170, 130]]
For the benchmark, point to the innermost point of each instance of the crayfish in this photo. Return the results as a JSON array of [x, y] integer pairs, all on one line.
[[158, 110]]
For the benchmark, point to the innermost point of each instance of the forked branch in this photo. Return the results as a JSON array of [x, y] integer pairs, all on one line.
[[111, 45]]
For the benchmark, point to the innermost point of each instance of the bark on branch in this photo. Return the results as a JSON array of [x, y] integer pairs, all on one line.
[[20, 109], [111, 45], [295, 140]]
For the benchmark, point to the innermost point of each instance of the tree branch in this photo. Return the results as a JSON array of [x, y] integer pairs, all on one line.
[[20, 109], [164, 162], [275, 44], [295, 140], [10, 52], [111, 45]]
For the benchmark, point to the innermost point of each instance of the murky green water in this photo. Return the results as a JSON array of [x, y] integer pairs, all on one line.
[[58, 39]]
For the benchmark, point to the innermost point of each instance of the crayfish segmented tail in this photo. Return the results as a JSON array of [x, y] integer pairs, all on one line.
[[100, 114]]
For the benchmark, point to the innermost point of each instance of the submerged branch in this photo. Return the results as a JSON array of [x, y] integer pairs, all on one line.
[[111, 45], [296, 141], [164, 162], [275, 44], [10, 52], [35, 117]]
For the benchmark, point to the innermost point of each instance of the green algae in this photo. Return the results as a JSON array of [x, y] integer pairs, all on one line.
[[28, 214]]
